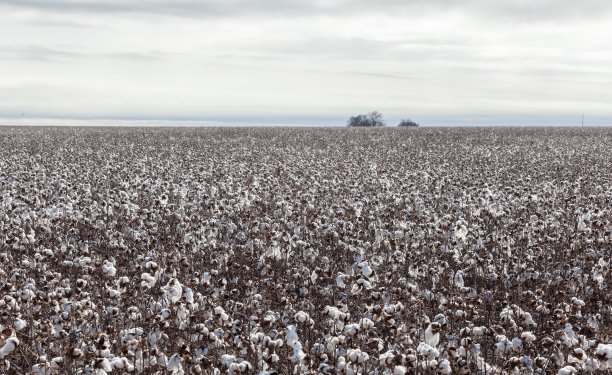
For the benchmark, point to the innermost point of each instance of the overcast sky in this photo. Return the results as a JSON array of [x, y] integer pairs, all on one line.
[[438, 62]]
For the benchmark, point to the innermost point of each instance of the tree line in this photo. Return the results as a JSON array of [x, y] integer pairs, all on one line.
[[375, 119]]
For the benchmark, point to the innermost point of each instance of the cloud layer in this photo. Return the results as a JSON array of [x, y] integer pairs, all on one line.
[[308, 62]]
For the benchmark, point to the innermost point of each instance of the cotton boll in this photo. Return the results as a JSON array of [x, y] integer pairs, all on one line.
[[604, 354], [432, 338], [351, 329], [340, 280], [20, 324], [174, 365], [301, 317], [9, 346], [109, 269], [148, 280], [459, 279], [366, 323], [444, 367], [502, 347], [528, 336], [173, 291], [399, 370], [567, 370], [104, 364], [591, 365]]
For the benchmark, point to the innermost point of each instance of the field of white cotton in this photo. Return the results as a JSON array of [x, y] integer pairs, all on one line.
[[305, 251]]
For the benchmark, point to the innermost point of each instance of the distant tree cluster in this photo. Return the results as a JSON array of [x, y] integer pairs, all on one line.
[[407, 122], [374, 119]]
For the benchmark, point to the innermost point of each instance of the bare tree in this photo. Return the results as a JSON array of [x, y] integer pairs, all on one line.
[[372, 119], [407, 122]]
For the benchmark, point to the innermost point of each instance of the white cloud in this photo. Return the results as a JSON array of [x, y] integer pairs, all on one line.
[[433, 61]]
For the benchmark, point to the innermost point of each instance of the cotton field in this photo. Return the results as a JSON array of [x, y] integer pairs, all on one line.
[[305, 251]]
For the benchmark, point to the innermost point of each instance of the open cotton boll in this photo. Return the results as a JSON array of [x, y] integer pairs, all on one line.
[[340, 280], [173, 291], [604, 354], [148, 280], [444, 367], [459, 279], [351, 329], [109, 268], [528, 336], [174, 365], [20, 324], [301, 316], [503, 346], [567, 370], [9, 346], [104, 364], [591, 365], [188, 295], [432, 338], [291, 335], [366, 323], [399, 370]]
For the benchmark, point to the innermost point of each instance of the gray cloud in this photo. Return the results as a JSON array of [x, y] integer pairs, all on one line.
[[517, 10], [473, 59], [36, 53]]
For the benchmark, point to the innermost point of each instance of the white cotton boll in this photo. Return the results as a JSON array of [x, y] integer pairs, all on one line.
[[258, 337], [188, 295], [459, 279], [340, 280], [577, 301], [366, 270], [528, 336], [109, 269], [527, 319], [173, 291], [9, 346], [118, 363], [478, 331], [20, 324], [386, 358], [591, 365], [174, 365], [366, 323], [428, 351], [105, 365], [503, 346], [604, 353], [40, 369], [399, 370], [567, 370], [432, 339], [351, 329], [227, 359], [292, 337], [148, 280], [444, 367], [517, 343], [301, 316]]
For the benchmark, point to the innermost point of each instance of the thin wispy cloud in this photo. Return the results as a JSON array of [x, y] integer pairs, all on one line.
[[437, 61]]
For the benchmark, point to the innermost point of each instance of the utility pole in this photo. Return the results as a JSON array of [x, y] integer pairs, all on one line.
[[583, 120]]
